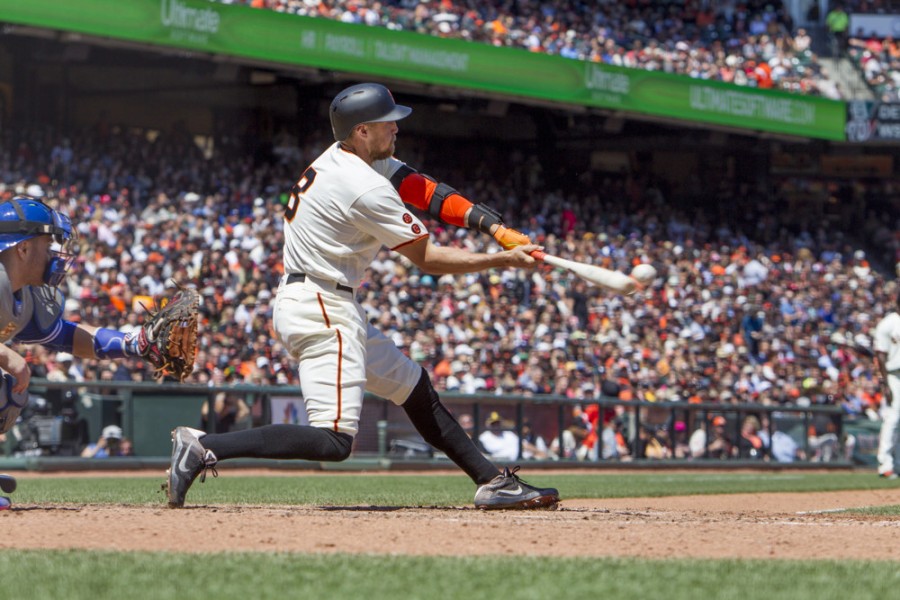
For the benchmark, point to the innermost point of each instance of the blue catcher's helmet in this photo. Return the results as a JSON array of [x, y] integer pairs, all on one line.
[[23, 218]]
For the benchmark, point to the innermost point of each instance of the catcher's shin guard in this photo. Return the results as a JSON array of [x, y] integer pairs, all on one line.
[[7, 483], [7, 486]]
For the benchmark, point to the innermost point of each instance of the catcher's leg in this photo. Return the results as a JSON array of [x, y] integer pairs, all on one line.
[[7, 483]]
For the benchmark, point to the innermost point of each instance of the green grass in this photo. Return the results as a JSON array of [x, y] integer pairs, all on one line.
[[350, 489], [77, 575], [875, 511]]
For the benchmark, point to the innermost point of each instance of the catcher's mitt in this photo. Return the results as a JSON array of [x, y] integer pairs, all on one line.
[[168, 340]]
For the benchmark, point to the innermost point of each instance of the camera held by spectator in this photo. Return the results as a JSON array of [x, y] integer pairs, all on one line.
[[111, 443]]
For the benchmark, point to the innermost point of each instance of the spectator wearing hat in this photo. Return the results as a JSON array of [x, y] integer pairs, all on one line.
[[60, 369], [498, 441], [111, 444]]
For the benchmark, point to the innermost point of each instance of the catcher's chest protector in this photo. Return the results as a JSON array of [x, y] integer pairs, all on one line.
[[43, 304]]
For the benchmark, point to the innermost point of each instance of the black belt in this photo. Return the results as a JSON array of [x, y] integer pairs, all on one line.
[[298, 277]]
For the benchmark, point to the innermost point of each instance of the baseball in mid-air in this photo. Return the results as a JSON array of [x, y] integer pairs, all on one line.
[[644, 273]]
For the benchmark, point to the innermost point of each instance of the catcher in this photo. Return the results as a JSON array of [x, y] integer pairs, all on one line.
[[37, 248]]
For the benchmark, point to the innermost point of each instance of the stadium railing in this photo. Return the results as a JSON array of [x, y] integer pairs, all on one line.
[[148, 411]]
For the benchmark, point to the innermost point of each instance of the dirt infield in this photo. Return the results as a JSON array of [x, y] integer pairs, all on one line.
[[777, 526]]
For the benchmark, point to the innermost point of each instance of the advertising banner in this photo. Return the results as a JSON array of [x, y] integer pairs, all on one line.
[[280, 38], [872, 121]]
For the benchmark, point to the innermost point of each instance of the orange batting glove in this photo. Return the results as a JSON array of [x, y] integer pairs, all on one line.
[[510, 238]]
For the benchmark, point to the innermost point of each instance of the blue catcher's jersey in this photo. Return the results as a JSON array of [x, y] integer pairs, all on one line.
[[37, 308]]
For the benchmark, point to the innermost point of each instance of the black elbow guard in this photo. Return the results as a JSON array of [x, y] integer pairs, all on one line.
[[436, 207], [483, 218], [398, 177]]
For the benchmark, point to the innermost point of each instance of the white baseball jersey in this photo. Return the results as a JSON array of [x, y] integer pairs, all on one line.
[[887, 340], [340, 214]]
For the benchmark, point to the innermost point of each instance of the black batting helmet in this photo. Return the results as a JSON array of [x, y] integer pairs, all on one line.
[[363, 103]]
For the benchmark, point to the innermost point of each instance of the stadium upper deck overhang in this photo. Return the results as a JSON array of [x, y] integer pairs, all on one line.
[[322, 51]]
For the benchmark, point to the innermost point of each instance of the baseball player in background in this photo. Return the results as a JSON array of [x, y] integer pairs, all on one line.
[[344, 208], [887, 354], [37, 248]]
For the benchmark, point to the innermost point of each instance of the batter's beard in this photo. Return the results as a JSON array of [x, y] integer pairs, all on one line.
[[384, 155]]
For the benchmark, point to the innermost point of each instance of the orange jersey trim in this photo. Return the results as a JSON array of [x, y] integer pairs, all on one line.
[[424, 235], [324, 314], [340, 364], [340, 395]]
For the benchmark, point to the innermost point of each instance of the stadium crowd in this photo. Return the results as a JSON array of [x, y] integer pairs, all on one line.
[[745, 308], [879, 61], [751, 43]]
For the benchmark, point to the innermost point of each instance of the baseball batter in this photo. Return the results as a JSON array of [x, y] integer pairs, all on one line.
[[347, 205], [887, 353], [37, 247]]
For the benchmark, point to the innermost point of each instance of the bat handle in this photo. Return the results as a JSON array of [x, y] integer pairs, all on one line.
[[538, 255]]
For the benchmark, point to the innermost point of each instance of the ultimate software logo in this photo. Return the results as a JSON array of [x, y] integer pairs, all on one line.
[[187, 23]]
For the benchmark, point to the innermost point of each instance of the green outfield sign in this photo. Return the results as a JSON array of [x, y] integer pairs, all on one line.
[[274, 37]]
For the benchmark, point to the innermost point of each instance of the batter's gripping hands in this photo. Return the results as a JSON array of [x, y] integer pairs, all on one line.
[[510, 238], [168, 340]]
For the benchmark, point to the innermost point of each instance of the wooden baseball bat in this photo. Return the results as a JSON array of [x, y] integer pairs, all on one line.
[[612, 280]]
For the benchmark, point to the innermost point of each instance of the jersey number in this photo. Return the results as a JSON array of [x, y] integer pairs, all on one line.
[[309, 175]]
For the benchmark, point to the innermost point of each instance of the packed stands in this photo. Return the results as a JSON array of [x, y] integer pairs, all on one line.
[[745, 309], [752, 43]]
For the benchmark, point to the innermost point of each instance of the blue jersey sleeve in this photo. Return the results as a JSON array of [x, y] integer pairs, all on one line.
[[57, 335]]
